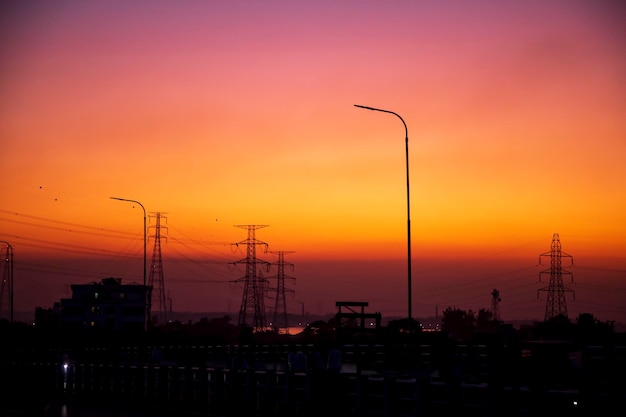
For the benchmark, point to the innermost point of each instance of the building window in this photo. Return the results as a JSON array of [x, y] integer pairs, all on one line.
[[122, 296], [95, 295]]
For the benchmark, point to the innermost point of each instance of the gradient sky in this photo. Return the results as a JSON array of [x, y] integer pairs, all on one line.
[[220, 114]]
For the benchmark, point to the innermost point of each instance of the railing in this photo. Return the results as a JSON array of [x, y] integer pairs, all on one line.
[[363, 388]]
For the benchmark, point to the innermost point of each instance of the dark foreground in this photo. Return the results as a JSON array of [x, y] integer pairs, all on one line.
[[373, 380]]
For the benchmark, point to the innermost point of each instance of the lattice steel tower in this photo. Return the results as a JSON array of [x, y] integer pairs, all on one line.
[[280, 304], [555, 304], [156, 280], [6, 286], [495, 304], [252, 310]]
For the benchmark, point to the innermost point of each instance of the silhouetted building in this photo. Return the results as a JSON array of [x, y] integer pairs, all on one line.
[[48, 317], [106, 305]]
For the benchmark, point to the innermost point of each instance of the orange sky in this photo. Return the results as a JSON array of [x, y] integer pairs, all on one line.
[[236, 113]]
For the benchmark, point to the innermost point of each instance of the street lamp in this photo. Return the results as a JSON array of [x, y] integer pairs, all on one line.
[[144, 251], [408, 206]]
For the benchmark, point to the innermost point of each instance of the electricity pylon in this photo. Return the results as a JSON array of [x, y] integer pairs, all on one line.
[[252, 309], [280, 304], [6, 286], [156, 280], [555, 304], [495, 304]]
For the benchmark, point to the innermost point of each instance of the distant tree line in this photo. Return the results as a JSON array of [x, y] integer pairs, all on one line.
[[465, 326]]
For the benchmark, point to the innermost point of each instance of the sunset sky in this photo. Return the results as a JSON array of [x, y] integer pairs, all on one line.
[[219, 114]]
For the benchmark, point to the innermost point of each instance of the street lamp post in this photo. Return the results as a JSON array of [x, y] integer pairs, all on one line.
[[408, 202], [144, 252]]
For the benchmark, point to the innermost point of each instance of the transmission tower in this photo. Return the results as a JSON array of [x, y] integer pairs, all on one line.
[[156, 280], [252, 310], [6, 286], [280, 304], [495, 304], [555, 304]]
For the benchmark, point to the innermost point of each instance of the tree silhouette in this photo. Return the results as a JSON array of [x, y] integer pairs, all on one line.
[[459, 324]]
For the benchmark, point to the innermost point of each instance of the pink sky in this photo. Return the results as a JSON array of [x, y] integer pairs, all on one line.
[[228, 113]]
